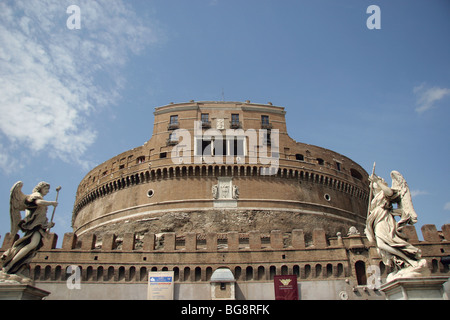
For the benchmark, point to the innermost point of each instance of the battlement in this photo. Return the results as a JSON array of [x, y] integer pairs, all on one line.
[[230, 241], [252, 257]]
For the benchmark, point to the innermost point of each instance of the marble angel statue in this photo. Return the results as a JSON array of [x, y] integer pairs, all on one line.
[[34, 225], [383, 228]]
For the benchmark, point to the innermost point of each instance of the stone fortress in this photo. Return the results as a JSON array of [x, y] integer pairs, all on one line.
[[222, 185]]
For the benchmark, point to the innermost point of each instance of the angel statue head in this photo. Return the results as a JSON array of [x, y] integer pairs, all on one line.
[[42, 187], [376, 185]]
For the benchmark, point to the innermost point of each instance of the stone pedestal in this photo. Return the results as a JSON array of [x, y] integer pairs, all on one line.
[[21, 292], [425, 288]]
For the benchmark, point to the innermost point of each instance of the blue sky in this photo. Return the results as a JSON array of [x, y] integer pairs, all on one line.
[[71, 99]]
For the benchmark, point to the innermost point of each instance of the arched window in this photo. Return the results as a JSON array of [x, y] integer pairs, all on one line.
[[249, 273], [284, 270], [237, 273], [198, 274], [131, 274], [100, 273], [318, 270], [272, 272], [121, 273], [110, 275], [307, 271], [360, 268], [208, 273], [329, 270], [340, 270], [58, 273], [187, 274], [89, 273], [47, 272], [296, 270], [261, 273], [176, 273], [356, 174]]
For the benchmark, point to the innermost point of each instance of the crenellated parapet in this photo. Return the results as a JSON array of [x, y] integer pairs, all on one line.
[[252, 256]]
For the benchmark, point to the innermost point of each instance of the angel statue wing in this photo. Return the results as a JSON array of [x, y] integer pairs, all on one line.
[[408, 214], [16, 204]]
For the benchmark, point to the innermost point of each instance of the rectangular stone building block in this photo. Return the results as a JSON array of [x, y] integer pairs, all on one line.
[[128, 242], [319, 238], [276, 239], [69, 241], [88, 242], [190, 242], [50, 241], [233, 240], [211, 241], [9, 240], [411, 234], [109, 241], [430, 233], [254, 239], [169, 241], [446, 231], [149, 242], [298, 239]]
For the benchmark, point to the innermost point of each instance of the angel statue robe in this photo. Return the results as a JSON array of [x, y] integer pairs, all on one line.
[[382, 227]]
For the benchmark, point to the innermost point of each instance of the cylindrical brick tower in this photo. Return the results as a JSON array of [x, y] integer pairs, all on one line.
[[219, 167]]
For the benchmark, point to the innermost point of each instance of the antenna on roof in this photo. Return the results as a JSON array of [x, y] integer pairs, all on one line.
[[223, 95]]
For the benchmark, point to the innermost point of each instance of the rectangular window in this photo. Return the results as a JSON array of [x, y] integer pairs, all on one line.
[[265, 124], [203, 147], [174, 119], [140, 160], [221, 147], [205, 121], [173, 124], [236, 147], [173, 137], [267, 137], [235, 124]]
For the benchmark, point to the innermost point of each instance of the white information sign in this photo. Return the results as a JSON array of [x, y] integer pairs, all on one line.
[[160, 285]]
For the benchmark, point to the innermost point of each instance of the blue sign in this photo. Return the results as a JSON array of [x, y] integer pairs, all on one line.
[[160, 279]]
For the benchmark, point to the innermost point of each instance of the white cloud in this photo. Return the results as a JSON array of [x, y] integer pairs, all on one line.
[[415, 193], [53, 78], [427, 97], [447, 206]]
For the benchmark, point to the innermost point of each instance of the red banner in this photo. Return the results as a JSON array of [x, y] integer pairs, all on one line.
[[286, 287]]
